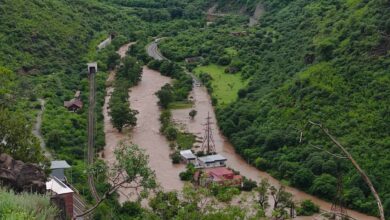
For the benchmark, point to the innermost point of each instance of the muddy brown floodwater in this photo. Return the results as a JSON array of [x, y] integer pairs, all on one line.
[[146, 134], [202, 104]]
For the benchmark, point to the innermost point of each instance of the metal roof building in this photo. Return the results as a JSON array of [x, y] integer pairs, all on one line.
[[215, 160], [58, 167]]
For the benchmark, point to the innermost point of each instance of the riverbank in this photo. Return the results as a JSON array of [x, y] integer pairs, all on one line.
[[202, 104], [146, 133]]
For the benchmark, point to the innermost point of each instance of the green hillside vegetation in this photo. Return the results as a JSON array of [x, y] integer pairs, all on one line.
[[25, 206], [224, 86], [325, 61]]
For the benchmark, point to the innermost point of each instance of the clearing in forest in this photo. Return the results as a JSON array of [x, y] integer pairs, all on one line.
[[225, 85]]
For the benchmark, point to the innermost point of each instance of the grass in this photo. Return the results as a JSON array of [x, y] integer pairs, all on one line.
[[231, 51], [180, 105], [185, 140], [25, 206], [225, 86]]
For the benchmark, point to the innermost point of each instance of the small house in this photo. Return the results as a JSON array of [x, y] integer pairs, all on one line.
[[73, 105], [187, 156], [215, 160], [218, 175], [57, 168]]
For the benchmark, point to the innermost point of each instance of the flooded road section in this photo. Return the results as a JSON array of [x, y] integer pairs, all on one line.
[[112, 136], [202, 104], [146, 133]]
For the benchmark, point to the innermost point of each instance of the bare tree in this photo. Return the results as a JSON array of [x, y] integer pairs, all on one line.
[[130, 171], [355, 164]]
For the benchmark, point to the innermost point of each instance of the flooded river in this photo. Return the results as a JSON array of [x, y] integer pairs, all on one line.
[[202, 104], [146, 134]]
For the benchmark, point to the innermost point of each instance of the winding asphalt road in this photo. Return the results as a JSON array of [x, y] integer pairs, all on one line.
[[154, 52]]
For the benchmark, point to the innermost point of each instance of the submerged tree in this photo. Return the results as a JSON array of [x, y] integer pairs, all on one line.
[[122, 116], [193, 113], [262, 191]]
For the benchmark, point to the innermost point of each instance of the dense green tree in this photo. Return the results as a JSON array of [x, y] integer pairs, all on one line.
[[171, 133], [130, 170], [307, 208], [324, 186], [165, 96], [122, 116], [303, 178], [17, 139], [165, 204], [113, 60]]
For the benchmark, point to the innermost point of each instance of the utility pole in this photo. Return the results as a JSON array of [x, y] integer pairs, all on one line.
[[92, 70], [208, 141]]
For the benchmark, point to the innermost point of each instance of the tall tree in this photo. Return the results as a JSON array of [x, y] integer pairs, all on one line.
[[130, 171], [16, 138], [122, 116]]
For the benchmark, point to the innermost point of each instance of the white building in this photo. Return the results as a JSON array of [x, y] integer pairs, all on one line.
[[187, 156], [215, 160]]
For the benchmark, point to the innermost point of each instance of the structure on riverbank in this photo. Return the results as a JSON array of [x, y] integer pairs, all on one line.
[[188, 157], [208, 144], [219, 175]]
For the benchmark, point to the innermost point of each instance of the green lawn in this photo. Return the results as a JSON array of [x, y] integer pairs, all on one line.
[[180, 105], [225, 86]]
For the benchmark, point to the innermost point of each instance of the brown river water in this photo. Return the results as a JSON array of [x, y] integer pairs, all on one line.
[[146, 134]]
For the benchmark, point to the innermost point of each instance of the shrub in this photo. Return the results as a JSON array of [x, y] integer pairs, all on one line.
[[307, 208], [248, 184]]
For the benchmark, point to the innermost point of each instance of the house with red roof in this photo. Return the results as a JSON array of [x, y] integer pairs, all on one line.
[[220, 175]]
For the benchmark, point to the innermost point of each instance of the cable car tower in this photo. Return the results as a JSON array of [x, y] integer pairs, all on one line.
[[208, 144]]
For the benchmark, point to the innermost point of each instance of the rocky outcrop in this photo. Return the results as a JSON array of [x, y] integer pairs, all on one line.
[[21, 176]]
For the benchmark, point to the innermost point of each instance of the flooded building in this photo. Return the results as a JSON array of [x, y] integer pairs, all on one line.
[[215, 160], [188, 157], [219, 175]]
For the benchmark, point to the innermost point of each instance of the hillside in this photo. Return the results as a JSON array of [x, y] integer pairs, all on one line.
[[323, 61], [308, 60]]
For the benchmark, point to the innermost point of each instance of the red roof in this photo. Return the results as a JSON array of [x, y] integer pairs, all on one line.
[[220, 171]]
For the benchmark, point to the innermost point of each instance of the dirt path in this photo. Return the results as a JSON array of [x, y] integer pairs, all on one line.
[[254, 20], [37, 130], [203, 107]]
